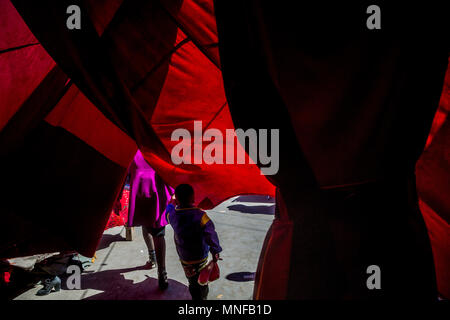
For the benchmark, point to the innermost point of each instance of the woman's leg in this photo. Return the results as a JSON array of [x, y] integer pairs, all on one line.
[[150, 245], [160, 248], [148, 239], [160, 245]]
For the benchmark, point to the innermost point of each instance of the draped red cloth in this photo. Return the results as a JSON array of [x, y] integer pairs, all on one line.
[[136, 71], [355, 108], [433, 187], [120, 216], [76, 104]]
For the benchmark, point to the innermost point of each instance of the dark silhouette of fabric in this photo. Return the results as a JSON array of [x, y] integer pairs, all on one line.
[[354, 111]]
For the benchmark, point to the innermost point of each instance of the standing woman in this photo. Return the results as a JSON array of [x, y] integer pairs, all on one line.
[[149, 196]]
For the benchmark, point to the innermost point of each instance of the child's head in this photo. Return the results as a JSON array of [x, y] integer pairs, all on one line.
[[185, 194]]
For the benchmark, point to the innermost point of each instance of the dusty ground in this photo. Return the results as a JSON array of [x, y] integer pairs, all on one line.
[[118, 272]]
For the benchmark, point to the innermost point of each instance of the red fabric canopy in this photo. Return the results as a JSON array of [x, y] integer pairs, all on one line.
[[355, 107], [165, 70]]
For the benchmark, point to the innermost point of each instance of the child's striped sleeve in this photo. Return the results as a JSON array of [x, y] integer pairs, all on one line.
[[210, 233]]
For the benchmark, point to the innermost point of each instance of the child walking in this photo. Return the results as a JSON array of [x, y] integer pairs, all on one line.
[[194, 236]]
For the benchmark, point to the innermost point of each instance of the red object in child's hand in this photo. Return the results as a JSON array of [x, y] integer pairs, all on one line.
[[209, 273]]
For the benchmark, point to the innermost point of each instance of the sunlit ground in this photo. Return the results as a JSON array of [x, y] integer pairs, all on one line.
[[118, 273]]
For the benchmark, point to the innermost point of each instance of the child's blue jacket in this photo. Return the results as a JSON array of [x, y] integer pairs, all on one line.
[[194, 234]]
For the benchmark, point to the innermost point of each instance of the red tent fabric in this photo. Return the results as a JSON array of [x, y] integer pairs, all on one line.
[[120, 216], [433, 187], [355, 107], [76, 105], [121, 88]]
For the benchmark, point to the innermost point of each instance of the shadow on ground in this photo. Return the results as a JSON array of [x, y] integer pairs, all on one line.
[[241, 276], [252, 209], [116, 287], [255, 198], [107, 239]]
